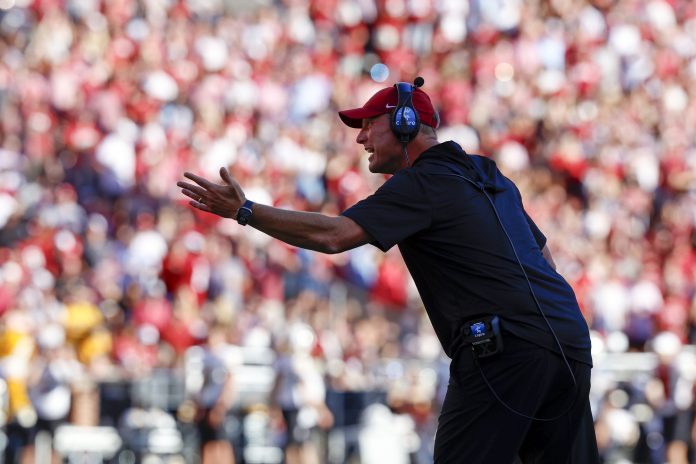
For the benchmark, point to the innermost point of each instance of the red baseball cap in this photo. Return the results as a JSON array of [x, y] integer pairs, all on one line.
[[385, 101]]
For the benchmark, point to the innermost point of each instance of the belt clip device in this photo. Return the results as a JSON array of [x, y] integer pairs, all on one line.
[[483, 334]]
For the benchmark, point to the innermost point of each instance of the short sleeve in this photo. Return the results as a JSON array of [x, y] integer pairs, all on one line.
[[397, 210]]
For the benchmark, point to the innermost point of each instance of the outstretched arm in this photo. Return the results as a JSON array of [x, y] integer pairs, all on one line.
[[314, 231]]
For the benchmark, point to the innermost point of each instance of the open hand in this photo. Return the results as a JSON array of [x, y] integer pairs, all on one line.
[[221, 199]]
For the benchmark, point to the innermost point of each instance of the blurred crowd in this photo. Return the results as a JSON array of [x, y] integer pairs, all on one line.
[[106, 274]]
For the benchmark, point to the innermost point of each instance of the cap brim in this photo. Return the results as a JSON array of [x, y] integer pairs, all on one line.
[[353, 118]]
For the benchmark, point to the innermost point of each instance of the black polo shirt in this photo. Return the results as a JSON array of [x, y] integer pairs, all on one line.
[[459, 256]]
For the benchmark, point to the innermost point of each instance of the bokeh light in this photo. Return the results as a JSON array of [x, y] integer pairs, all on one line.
[[379, 72]]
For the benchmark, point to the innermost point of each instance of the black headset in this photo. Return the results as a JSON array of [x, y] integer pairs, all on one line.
[[405, 122]]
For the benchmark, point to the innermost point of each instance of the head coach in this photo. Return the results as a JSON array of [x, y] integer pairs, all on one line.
[[520, 348]]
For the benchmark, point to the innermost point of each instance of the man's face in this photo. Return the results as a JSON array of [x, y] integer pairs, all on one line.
[[384, 148]]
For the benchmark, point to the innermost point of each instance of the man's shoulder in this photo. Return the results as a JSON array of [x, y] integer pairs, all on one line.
[[451, 153], [440, 151]]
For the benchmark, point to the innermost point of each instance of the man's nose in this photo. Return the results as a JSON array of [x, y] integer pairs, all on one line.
[[362, 137]]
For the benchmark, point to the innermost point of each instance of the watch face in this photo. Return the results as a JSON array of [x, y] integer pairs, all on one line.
[[243, 216]]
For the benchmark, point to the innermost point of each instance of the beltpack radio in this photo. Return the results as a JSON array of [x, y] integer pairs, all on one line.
[[483, 335]]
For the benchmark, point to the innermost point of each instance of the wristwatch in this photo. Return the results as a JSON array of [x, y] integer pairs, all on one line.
[[244, 213]]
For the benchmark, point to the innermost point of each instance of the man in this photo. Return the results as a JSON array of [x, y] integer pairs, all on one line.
[[482, 269]]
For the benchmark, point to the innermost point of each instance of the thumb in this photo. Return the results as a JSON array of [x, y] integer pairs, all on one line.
[[225, 175]]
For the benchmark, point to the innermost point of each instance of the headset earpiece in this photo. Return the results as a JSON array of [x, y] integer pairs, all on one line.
[[405, 122]]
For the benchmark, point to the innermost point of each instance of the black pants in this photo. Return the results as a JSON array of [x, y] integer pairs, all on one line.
[[474, 427]]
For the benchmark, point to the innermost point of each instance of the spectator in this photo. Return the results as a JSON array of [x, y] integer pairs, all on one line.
[[299, 393]]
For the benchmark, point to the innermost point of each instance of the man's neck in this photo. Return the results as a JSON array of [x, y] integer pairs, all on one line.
[[417, 147]]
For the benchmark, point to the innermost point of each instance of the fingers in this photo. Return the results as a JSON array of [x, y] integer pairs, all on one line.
[[195, 192], [193, 195], [200, 206], [212, 197], [191, 190], [205, 183]]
